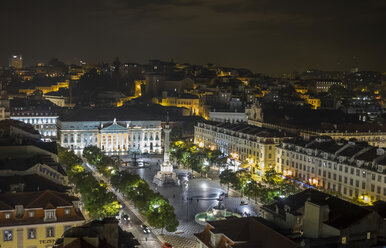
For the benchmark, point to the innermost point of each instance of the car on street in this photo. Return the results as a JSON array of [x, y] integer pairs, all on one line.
[[167, 245], [145, 229], [125, 217]]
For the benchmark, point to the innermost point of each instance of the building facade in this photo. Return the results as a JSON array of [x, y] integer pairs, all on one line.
[[36, 219], [112, 137], [322, 220], [250, 146], [351, 169], [44, 122], [232, 117], [374, 136], [16, 61], [190, 102]]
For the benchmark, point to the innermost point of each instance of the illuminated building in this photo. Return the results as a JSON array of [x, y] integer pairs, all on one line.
[[46, 88], [374, 134], [250, 145], [16, 61], [325, 85], [39, 113], [352, 169], [314, 102], [112, 137], [184, 101], [308, 123], [36, 219], [4, 105]]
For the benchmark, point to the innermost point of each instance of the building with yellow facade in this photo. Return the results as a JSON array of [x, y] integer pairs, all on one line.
[[46, 88], [253, 148], [36, 219], [188, 101]]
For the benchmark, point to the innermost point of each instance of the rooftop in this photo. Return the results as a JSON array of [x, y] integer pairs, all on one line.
[[247, 129], [336, 218], [249, 232]]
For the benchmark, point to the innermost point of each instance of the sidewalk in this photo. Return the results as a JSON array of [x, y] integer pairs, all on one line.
[[250, 201]]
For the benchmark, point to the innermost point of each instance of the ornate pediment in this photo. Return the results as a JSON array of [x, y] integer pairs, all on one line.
[[115, 126]]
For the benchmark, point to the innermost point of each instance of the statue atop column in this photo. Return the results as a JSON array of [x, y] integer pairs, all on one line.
[[166, 175]]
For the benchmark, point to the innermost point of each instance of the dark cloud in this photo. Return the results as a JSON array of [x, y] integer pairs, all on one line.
[[264, 35]]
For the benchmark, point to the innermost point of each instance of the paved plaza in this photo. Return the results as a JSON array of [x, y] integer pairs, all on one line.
[[191, 197]]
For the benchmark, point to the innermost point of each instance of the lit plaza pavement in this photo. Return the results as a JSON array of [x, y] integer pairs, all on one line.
[[191, 197]]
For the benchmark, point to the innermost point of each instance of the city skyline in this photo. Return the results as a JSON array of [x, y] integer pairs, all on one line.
[[259, 35]]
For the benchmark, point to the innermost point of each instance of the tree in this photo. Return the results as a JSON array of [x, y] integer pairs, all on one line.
[[241, 179], [68, 158], [287, 187], [271, 177], [193, 162], [93, 155], [227, 177], [252, 189], [98, 202], [160, 214], [216, 157]]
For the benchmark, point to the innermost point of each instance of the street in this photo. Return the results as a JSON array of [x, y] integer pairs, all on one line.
[[133, 226]]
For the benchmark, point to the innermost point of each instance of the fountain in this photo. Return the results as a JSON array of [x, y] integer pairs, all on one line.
[[218, 212]]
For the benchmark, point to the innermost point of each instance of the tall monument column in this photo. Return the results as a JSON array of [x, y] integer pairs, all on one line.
[[166, 165], [166, 175]]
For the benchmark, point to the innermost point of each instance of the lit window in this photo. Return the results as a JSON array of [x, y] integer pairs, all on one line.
[[8, 235], [67, 211], [344, 240], [7, 216]]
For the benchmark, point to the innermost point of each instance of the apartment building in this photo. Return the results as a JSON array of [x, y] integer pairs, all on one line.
[[352, 169], [322, 220], [36, 219], [249, 146]]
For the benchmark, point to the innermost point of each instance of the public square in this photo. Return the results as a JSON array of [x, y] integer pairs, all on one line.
[[191, 197]]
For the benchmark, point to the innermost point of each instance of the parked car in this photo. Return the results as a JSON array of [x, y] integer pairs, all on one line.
[[145, 229]]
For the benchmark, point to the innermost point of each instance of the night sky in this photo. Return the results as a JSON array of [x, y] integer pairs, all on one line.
[[262, 35]]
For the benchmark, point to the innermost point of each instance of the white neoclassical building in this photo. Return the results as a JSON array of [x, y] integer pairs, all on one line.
[[112, 137]]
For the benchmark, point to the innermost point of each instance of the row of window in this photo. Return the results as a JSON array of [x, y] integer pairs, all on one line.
[[330, 165], [239, 138], [32, 234], [39, 120], [48, 214], [339, 178]]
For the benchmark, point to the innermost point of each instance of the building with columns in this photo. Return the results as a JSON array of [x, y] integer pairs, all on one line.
[[113, 137]]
